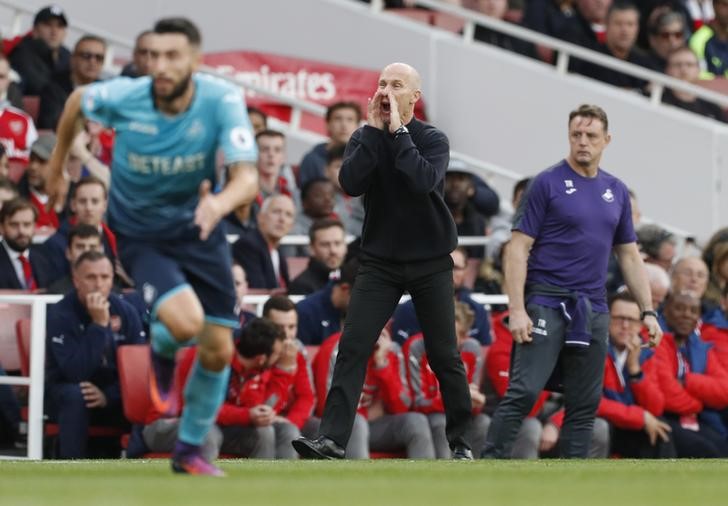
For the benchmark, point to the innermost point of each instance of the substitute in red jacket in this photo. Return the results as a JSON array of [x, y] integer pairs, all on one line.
[[426, 389], [280, 310], [261, 374], [694, 383], [632, 400]]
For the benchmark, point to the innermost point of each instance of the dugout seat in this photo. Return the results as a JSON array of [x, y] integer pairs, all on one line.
[[50, 430]]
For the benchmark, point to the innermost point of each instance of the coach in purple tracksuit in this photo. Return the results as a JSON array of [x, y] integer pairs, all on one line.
[[570, 218]]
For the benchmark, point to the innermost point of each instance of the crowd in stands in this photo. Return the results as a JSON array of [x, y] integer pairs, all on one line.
[[651, 33], [671, 401]]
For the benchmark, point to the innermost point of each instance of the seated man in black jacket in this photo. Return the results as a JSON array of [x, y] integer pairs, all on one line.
[[41, 54], [259, 252], [328, 250], [84, 330]]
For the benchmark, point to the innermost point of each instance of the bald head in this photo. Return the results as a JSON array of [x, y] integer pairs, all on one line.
[[413, 77]]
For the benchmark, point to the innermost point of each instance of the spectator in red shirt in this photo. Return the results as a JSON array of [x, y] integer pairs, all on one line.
[[17, 131], [262, 371]]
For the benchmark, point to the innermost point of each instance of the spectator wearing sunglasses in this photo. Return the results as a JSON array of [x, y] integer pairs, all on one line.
[[666, 33], [87, 62]]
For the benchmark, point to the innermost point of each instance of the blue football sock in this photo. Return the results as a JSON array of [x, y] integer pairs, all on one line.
[[204, 393], [163, 342]]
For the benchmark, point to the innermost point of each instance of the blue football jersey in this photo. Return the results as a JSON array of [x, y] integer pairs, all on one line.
[[159, 160]]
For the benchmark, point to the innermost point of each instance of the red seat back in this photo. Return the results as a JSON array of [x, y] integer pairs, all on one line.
[[133, 363], [22, 332]]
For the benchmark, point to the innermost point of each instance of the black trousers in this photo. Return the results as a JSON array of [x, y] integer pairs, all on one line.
[[635, 444], [705, 443], [378, 287]]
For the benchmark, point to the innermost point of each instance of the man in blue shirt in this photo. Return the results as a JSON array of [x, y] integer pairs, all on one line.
[[169, 127], [567, 223]]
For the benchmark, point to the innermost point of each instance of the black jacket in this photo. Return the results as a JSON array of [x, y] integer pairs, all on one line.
[[251, 251], [38, 263], [315, 277], [33, 60], [402, 180], [80, 350]]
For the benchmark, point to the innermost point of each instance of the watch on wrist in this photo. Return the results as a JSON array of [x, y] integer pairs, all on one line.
[[400, 131], [648, 312], [636, 376]]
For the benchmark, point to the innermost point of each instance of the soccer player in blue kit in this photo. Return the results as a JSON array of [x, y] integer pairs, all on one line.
[[572, 216], [169, 127]]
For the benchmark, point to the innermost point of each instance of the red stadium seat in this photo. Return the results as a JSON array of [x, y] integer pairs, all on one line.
[[296, 265], [133, 364], [22, 333], [31, 105]]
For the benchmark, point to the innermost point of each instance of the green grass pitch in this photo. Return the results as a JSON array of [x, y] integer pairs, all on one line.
[[371, 483]]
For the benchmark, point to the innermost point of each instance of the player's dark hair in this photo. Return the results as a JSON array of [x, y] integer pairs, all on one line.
[[269, 133], [624, 296], [87, 180], [82, 231], [343, 105], [278, 303], [90, 256], [179, 25], [16, 205], [323, 224], [592, 112], [258, 338], [308, 186]]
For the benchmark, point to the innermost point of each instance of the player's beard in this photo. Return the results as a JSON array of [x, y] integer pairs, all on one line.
[[18, 245], [177, 91]]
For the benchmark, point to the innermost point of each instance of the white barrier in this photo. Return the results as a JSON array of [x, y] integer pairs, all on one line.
[[36, 380]]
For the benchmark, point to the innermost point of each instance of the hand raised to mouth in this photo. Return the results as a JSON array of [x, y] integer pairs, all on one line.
[[374, 111]]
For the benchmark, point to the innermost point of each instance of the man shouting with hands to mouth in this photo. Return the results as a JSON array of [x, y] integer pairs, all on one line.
[[398, 163]]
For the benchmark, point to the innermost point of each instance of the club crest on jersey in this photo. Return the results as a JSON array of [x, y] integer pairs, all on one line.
[[195, 131], [569, 186], [16, 127], [608, 196]]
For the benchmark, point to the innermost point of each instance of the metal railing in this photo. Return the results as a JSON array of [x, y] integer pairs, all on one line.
[[566, 50]]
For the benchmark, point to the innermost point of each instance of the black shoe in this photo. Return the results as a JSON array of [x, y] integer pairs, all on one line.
[[462, 453], [321, 448]]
